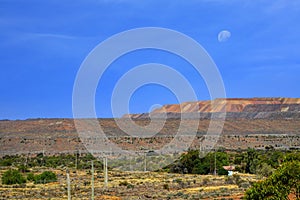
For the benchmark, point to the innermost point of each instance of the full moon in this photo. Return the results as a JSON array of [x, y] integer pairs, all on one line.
[[224, 35]]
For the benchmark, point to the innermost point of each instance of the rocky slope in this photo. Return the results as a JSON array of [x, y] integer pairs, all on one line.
[[233, 107], [56, 136]]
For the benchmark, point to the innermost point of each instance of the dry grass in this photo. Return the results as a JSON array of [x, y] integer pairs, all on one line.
[[128, 185]]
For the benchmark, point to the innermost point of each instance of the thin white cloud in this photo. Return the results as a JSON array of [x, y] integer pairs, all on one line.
[[283, 4], [51, 35], [57, 36]]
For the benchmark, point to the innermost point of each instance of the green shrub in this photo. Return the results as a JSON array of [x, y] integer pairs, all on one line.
[[229, 180], [283, 182], [222, 171], [6, 162], [166, 186], [30, 177], [265, 170], [23, 169], [178, 180], [192, 163], [11, 177], [205, 181], [178, 194], [130, 186], [123, 183], [45, 177], [86, 183]]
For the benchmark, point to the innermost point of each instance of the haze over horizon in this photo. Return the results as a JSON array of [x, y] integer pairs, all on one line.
[[42, 45]]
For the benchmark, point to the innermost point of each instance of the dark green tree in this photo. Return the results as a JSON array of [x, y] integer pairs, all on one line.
[[192, 163], [283, 182], [251, 161], [45, 177], [12, 176]]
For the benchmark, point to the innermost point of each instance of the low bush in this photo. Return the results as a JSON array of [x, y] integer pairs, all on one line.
[[45, 177], [123, 183], [166, 186], [23, 169], [30, 177], [12, 176], [130, 186]]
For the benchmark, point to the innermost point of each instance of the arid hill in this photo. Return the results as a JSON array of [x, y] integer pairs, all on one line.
[[233, 107], [55, 136], [256, 123]]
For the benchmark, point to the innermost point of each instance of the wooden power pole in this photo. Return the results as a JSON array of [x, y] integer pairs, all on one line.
[[105, 171], [69, 185], [93, 191]]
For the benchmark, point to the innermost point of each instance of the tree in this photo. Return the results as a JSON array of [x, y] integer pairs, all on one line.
[[192, 163], [12, 176], [283, 182], [45, 177], [265, 170], [252, 161]]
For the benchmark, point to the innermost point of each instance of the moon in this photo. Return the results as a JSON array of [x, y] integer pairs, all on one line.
[[224, 35]]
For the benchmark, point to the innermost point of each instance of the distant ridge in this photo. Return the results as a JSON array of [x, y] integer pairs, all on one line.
[[249, 123], [234, 108]]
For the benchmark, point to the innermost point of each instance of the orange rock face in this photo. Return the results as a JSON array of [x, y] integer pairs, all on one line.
[[234, 105]]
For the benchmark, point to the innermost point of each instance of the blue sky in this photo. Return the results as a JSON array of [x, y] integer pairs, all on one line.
[[43, 43]]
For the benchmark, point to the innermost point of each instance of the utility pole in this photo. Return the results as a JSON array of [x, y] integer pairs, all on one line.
[[43, 162], [76, 160], [145, 162], [201, 148], [105, 171], [26, 160], [69, 185], [130, 164], [215, 170], [93, 180]]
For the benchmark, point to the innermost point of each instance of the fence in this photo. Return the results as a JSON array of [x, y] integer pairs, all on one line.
[[70, 184]]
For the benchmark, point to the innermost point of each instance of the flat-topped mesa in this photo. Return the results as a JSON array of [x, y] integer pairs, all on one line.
[[233, 105], [229, 105]]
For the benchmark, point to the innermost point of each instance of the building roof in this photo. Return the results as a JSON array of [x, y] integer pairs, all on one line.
[[229, 168]]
